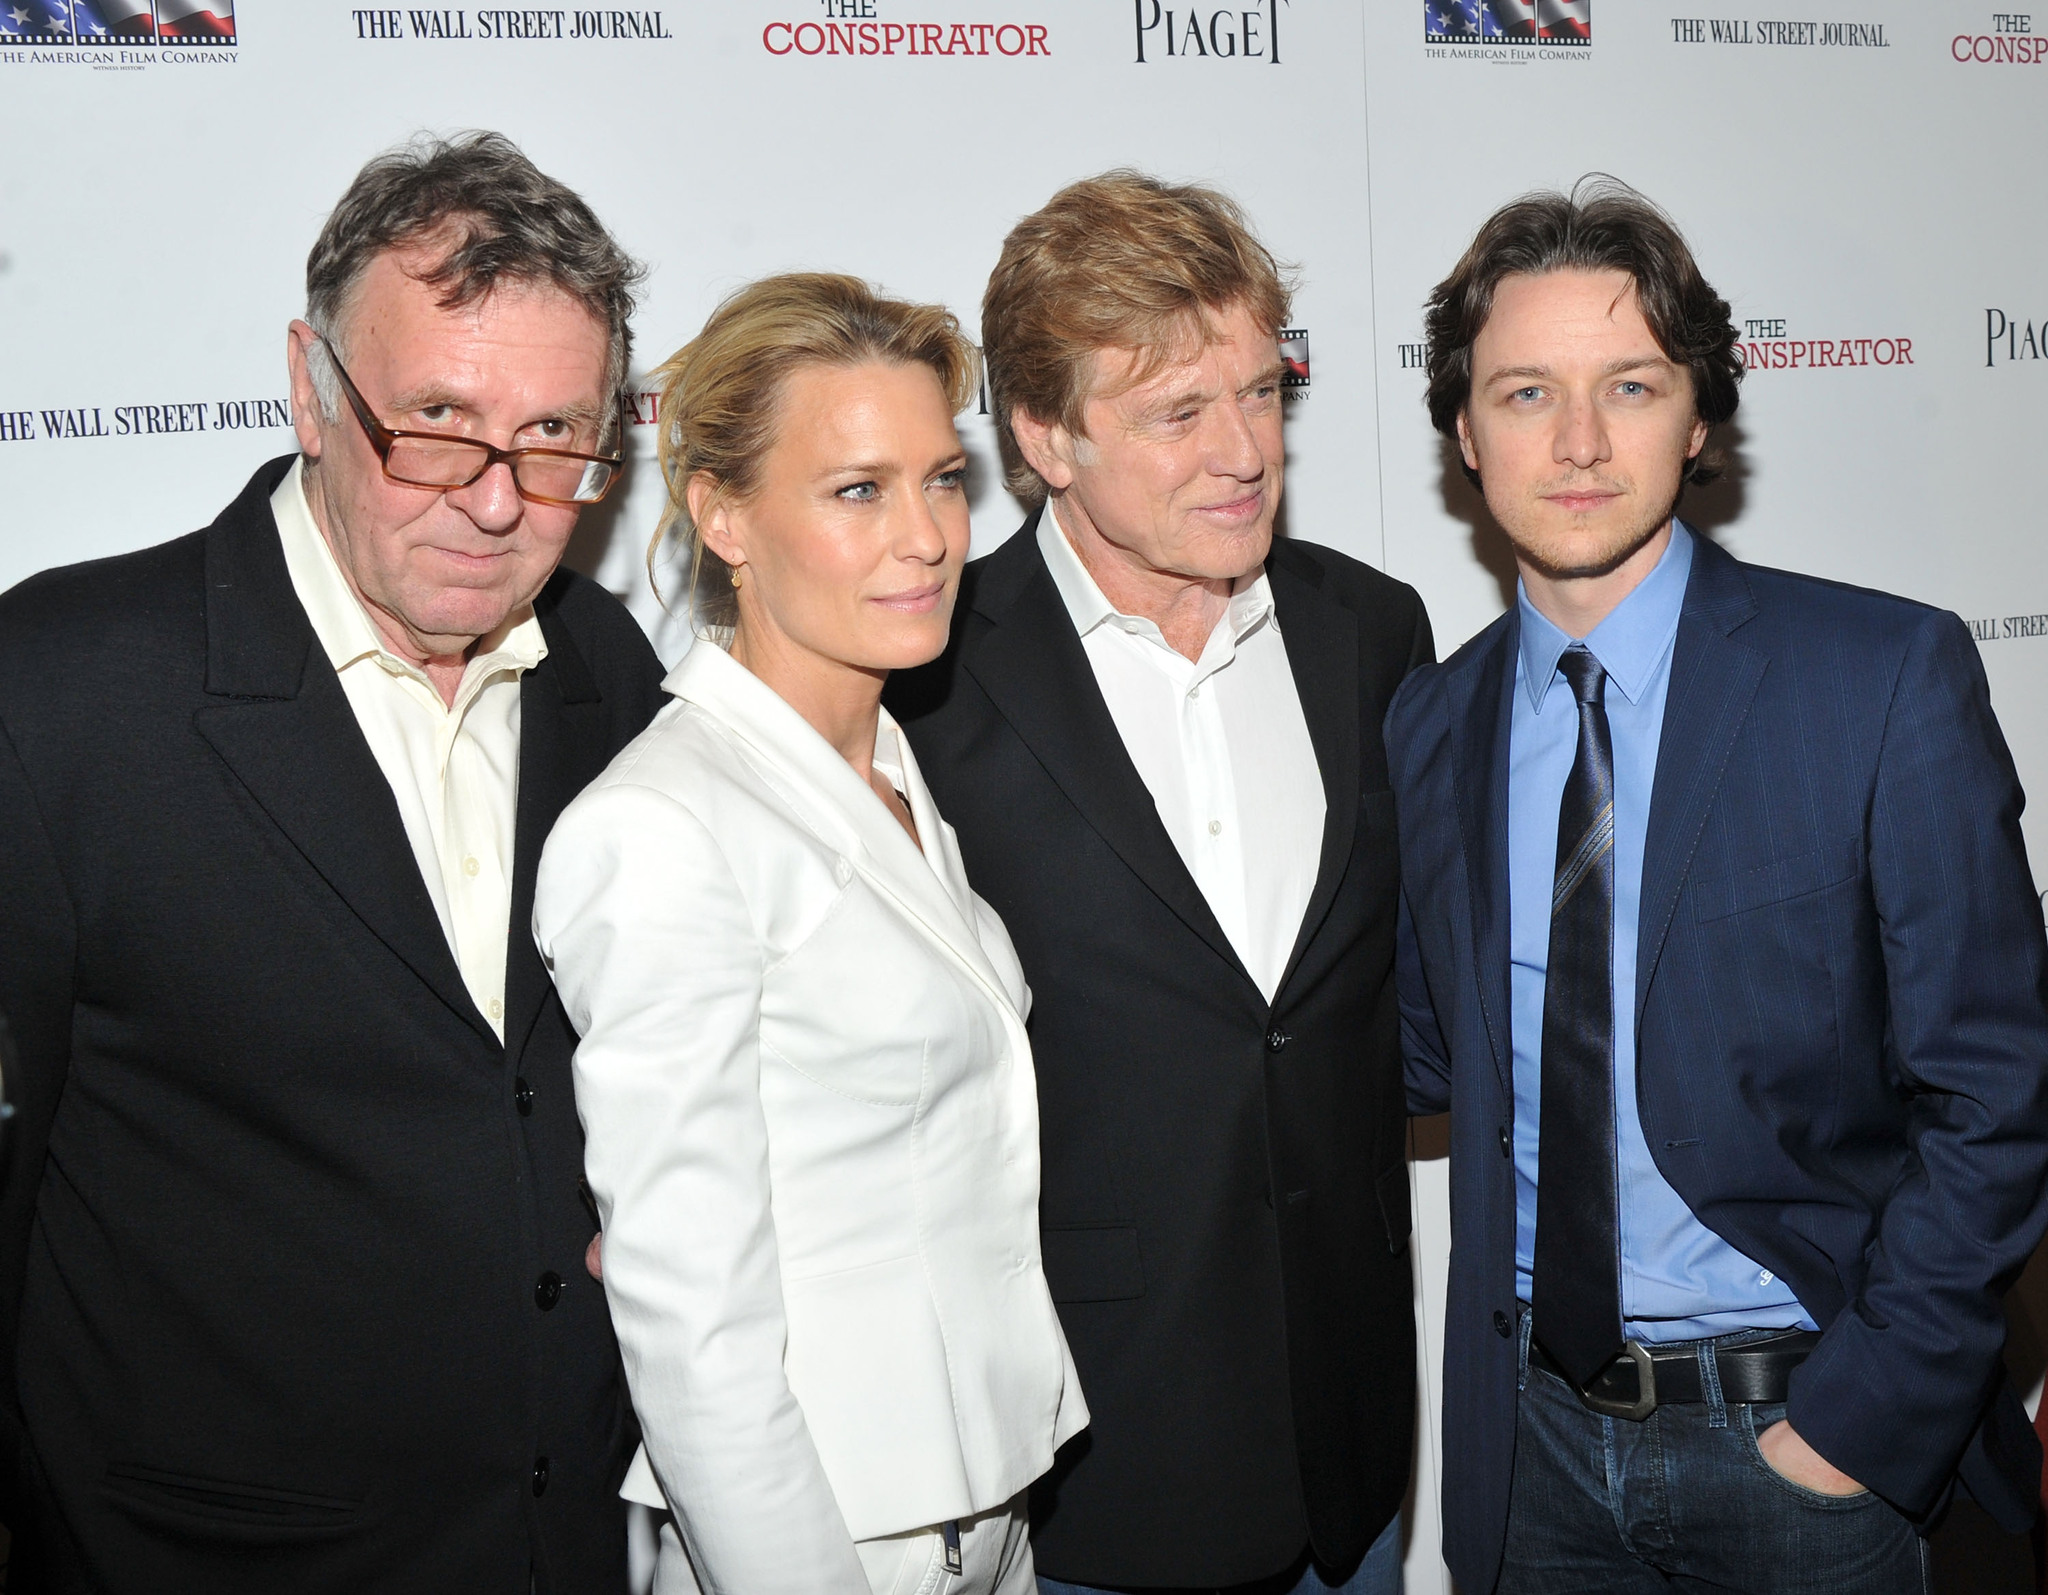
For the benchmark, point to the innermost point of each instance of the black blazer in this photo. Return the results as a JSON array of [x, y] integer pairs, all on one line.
[[291, 1247], [1225, 1199]]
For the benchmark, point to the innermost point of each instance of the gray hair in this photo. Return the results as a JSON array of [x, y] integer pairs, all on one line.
[[500, 218]]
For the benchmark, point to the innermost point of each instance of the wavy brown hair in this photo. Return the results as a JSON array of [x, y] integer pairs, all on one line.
[[1601, 225]]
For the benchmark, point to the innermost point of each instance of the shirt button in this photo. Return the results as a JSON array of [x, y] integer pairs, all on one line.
[[1276, 1039], [1506, 1147], [497, 1009], [1501, 1326], [540, 1475], [1215, 827], [470, 866], [522, 1096], [547, 1290]]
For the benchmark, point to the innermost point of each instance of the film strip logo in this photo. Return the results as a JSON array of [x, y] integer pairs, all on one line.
[[110, 22], [1507, 21], [1294, 362]]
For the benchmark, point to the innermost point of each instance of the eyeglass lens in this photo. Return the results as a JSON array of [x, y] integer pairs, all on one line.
[[452, 462]]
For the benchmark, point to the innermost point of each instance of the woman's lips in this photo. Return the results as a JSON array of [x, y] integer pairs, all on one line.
[[913, 600]]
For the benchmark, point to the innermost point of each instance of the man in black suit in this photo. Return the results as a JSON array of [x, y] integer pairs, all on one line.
[[292, 1292], [1157, 733]]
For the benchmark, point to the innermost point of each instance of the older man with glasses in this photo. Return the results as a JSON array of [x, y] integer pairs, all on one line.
[[292, 1292]]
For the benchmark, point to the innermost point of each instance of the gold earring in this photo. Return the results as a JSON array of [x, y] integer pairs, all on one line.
[[735, 578]]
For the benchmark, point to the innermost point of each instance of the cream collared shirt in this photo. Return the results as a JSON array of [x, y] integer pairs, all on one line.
[[1221, 744], [454, 769]]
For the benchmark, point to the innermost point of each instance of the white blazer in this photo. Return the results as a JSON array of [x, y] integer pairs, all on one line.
[[813, 1136]]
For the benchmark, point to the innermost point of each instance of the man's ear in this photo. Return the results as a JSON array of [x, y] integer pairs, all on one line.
[[299, 339], [1465, 443], [1700, 430], [711, 514], [1047, 448]]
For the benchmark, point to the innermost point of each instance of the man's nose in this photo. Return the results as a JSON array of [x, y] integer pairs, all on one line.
[[1581, 435], [491, 501], [1234, 448]]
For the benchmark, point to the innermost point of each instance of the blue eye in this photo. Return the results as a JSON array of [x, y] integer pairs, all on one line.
[[858, 492], [948, 481]]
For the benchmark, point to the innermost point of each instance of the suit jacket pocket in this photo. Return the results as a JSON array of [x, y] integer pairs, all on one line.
[[1779, 881], [1101, 1263], [191, 1507], [1395, 1212]]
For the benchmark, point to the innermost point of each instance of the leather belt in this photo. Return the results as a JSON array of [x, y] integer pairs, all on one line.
[[1644, 1378]]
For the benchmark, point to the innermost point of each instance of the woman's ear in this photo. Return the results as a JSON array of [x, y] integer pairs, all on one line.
[[711, 512]]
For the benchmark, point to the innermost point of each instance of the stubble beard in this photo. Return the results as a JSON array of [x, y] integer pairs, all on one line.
[[1566, 557]]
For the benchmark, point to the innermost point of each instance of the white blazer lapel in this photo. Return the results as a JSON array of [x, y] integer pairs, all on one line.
[[821, 785]]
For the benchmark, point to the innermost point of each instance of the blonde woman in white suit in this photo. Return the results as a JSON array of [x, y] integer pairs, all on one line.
[[811, 1115]]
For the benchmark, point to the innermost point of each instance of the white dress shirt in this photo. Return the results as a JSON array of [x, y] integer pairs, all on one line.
[[1221, 744], [454, 769]]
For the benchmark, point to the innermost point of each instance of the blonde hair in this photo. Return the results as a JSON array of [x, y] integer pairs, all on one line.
[[721, 393], [1120, 261]]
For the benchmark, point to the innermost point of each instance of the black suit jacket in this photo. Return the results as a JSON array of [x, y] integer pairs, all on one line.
[[281, 1214], [1225, 1198]]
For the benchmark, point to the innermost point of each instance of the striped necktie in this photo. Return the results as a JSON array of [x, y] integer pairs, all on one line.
[[1577, 1280]]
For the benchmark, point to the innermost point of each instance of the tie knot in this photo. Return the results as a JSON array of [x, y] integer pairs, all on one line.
[[1583, 673]]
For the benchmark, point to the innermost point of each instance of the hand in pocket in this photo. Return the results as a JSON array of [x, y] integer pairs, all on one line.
[[1790, 1457]]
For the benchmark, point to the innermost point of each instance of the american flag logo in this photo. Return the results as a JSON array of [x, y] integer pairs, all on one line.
[[1507, 21], [1293, 357], [37, 22], [196, 21], [111, 21], [117, 21]]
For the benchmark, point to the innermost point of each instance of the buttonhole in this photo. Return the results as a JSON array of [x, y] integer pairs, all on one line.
[[1673, 1146]]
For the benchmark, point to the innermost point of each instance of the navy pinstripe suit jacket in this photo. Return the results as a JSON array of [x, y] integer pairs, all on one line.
[[1841, 1012]]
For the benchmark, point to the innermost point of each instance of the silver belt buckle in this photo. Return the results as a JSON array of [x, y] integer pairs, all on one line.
[[1645, 1402]]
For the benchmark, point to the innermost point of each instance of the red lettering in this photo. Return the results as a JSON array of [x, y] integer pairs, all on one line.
[[835, 33], [1010, 27], [1885, 350], [1799, 352], [770, 48], [892, 35], [933, 32], [1905, 351], [981, 32], [1037, 40], [816, 32]]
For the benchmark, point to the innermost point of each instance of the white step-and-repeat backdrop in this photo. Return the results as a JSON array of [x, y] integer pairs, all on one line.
[[1856, 176]]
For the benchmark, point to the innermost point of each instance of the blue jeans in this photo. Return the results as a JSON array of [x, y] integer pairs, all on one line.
[[1683, 1500], [1378, 1573]]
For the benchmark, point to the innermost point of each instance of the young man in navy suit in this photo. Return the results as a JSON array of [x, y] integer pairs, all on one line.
[[1722, 949]]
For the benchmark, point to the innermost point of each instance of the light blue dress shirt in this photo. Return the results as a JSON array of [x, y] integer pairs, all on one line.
[[1679, 1280]]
